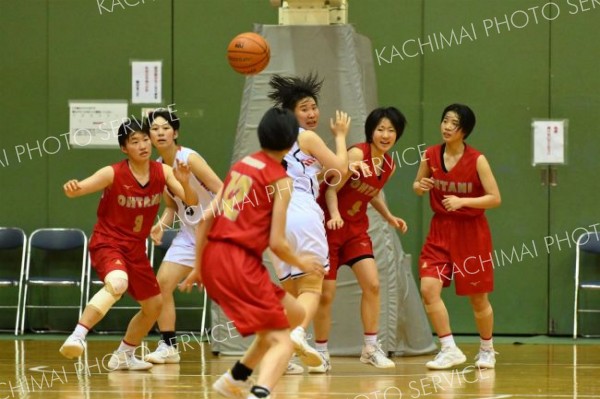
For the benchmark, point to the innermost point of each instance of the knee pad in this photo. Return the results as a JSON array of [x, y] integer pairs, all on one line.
[[103, 300], [483, 313], [116, 282], [309, 283]]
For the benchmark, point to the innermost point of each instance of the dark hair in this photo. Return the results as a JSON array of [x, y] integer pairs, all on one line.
[[393, 114], [466, 117], [278, 129], [127, 128], [164, 113], [287, 91]]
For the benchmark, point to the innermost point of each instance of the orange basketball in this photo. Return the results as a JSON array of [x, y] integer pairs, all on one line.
[[248, 53]]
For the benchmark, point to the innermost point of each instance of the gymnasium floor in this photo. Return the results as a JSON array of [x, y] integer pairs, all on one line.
[[527, 368]]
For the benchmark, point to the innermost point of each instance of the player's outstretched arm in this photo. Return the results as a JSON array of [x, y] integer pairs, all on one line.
[[335, 221], [165, 221], [355, 166], [208, 217], [381, 207], [204, 173], [179, 183], [312, 144], [96, 182]]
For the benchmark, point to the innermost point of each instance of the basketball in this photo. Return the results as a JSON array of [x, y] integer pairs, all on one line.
[[248, 53]]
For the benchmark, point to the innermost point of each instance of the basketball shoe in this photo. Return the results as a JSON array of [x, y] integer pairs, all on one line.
[[231, 388], [447, 358]]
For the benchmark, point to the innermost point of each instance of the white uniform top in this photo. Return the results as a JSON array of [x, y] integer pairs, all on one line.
[[305, 225], [303, 169], [182, 250]]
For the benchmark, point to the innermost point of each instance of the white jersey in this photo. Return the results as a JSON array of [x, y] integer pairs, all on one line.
[[189, 216], [183, 248], [305, 224], [303, 169]]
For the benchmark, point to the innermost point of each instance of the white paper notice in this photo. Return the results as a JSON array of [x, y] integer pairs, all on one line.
[[146, 82], [95, 123], [548, 142]]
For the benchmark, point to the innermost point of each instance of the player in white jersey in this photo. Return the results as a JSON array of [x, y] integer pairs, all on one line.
[[305, 229], [179, 259]]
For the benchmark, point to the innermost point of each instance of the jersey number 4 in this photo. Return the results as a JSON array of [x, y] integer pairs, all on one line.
[[233, 195]]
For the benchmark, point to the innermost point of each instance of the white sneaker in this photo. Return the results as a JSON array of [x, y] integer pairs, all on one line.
[[125, 360], [306, 353], [73, 347], [163, 354], [294, 369], [486, 359], [231, 388], [447, 358], [373, 354], [325, 364]]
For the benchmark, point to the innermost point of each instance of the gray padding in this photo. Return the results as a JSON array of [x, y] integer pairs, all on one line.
[[344, 59]]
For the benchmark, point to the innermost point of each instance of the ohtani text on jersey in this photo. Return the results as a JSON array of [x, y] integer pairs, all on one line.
[[139, 202]]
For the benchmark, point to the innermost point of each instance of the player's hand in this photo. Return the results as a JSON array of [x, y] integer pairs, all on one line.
[[193, 278], [182, 172], [156, 234], [310, 264], [71, 186], [452, 203], [341, 125], [398, 223], [336, 222], [426, 183]]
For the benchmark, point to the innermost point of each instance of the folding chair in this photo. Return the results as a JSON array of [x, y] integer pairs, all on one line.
[[53, 269], [587, 242], [167, 240], [13, 244]]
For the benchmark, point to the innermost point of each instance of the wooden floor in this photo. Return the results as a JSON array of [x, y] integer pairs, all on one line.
[[33, 368]]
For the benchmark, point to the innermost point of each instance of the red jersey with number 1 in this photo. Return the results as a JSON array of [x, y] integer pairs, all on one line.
[[247, 203], [127, 209], [367, 179]]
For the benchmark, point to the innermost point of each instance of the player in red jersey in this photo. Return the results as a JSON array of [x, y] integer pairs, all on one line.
[[370, 167], [248, 216], [461, 187], [132, 190]]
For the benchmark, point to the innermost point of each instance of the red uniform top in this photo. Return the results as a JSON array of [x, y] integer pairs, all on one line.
[[362, 186], [247, 203], [461, 181], [127, 210]]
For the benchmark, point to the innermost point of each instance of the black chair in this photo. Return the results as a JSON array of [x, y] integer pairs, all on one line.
[[590, 243], [13, 244], [47, 267]]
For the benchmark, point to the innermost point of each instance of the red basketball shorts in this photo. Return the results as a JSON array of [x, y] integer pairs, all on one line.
[[108, 254], [459, 249], [348, 245], [240, 284]]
